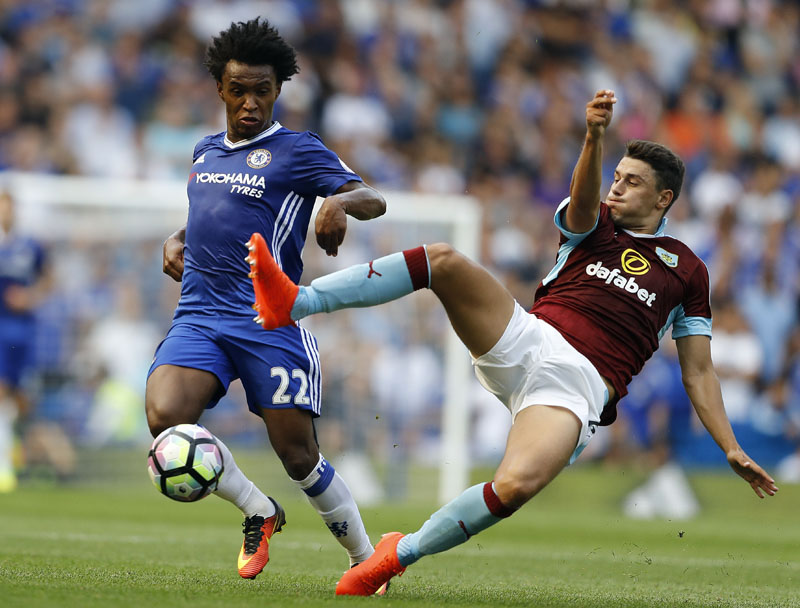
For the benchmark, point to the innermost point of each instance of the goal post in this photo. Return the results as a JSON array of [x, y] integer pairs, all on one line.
[[460, 218], [92, 209], [63, 208], [462, 215]]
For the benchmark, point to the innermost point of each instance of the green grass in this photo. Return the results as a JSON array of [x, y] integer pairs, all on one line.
[[92, 544]]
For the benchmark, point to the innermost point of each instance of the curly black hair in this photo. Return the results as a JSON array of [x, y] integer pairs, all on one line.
[[253, 42]]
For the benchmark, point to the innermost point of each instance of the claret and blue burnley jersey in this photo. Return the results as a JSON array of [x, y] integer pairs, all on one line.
[[613, 294], [267, 184]]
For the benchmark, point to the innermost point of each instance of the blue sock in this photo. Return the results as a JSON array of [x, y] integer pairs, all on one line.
[[476, 509], [382, 280]]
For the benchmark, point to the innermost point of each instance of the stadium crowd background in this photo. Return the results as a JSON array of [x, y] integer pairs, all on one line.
[[484, 97]]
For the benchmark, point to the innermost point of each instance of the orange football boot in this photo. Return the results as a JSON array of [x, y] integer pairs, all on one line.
[[382, 589], [275, 292], [368, 577], [254, 553]]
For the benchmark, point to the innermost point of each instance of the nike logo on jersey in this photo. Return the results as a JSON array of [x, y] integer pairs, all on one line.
[[613, 277]]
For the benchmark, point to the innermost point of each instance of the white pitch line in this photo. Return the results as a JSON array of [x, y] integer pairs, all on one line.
[[601, 554]]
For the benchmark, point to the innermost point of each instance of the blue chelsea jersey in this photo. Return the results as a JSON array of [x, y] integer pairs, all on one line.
[[21, 264], [267, 184]]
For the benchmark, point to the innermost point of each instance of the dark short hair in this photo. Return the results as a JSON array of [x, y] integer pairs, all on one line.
[[253, 42], [668, 166]]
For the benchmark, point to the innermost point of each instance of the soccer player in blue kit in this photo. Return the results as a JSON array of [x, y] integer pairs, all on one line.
[[256, 176], [23, 281]]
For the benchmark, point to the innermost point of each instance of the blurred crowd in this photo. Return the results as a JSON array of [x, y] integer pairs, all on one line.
[[478, 97]]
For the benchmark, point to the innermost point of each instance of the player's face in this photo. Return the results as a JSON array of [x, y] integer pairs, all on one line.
[[634, 200], [249, 93]]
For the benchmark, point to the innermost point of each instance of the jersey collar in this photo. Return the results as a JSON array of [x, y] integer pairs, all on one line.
[[246, 142], [660, 231]]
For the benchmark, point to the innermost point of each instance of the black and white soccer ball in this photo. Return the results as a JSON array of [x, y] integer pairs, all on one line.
[[185, 462]]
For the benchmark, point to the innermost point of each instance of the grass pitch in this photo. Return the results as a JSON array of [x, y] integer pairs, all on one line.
[[98, 543]]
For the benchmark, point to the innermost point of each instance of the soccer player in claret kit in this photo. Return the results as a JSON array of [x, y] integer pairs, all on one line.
[[618, 284], [256, 175]]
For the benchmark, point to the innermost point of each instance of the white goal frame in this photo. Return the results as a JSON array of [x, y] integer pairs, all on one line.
[[53, 207], [462, 214]]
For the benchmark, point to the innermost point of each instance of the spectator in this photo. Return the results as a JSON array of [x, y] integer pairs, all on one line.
[[435, 97], [771, 310]]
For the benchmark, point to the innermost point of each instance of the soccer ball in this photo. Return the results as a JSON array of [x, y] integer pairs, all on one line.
[[185, 462]]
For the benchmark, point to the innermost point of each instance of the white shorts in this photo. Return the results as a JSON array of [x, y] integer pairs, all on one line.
[[532, 364]]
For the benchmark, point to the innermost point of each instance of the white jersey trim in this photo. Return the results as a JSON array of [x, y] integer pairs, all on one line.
[[275, 126], [284, 223], [314, 383]]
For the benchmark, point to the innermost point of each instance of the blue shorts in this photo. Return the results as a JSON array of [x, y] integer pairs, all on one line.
[[279, 369], [16, 350]]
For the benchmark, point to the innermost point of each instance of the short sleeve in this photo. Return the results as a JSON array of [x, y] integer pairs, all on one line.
[[202, 146], [315, 169], [576, 237], [684, 325], [693, 317]]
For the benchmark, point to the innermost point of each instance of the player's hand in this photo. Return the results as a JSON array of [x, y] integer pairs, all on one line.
[[331, 225], [753, 474], [172, 257], [599, 111]]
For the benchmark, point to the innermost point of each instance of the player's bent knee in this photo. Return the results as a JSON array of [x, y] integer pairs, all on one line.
[[298, 459], [515, 490], [161, 414], [158, 418], [442, 256], [447, 264]]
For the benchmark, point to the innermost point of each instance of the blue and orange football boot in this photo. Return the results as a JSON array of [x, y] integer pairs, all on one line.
[[371, 577], [275, 293], [254, 553]]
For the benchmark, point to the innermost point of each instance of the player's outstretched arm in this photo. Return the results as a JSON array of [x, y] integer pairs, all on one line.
[[587, 177], [172, 254], [353, 198], [702, 386]]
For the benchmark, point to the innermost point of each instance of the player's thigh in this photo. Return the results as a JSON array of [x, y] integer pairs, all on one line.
[[190, 372], [279, 369], [478, 305], [280, 373], [540, 444], [182, 391]]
